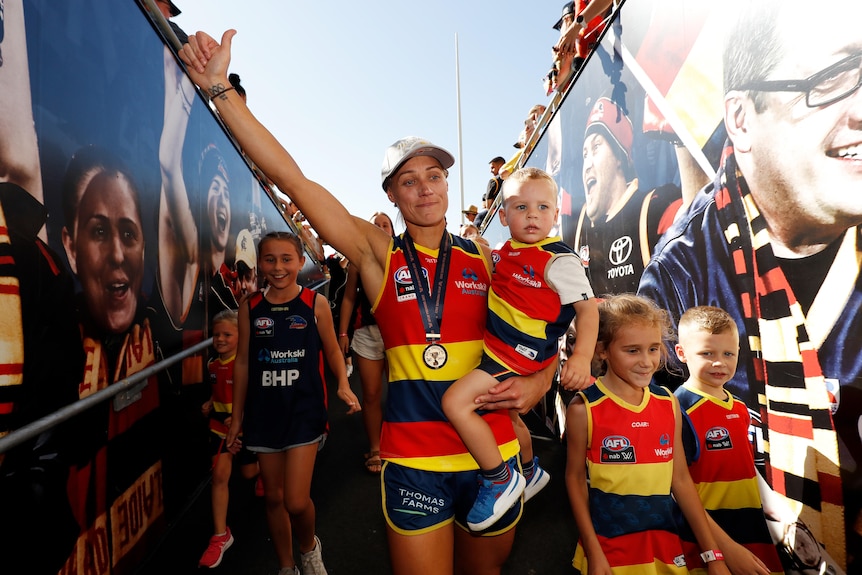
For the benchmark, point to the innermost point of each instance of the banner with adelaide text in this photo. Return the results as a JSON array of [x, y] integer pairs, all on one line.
[[128, 219]]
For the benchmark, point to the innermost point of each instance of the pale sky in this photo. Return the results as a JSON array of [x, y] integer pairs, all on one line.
[[337, 82]]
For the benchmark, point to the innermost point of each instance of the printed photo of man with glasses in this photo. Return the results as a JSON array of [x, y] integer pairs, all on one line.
[[775, 240]]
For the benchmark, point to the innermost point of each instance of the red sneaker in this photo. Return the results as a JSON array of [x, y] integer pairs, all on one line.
[[215, 550]]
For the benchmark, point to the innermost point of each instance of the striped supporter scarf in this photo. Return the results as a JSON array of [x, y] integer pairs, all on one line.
[[11, 340], [801, 444]]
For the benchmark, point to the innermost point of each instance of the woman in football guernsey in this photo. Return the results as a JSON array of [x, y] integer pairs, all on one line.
[[430, 294]]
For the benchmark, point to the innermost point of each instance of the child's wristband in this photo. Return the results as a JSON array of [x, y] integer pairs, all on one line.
[[712, 555], [342, 335]]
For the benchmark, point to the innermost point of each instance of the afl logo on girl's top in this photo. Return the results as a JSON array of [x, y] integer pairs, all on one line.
[[617, 449], [718, 438], [263, 327]]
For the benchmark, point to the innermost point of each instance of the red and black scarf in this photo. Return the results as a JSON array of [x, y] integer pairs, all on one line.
[[801, 445]]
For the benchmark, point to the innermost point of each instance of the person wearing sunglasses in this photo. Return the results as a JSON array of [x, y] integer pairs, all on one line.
[[775, 240]]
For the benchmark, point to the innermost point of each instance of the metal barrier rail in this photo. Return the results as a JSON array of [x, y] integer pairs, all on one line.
[[34, 429]]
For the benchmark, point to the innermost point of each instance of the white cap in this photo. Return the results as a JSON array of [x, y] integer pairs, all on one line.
[[410, 147], [245, 249]]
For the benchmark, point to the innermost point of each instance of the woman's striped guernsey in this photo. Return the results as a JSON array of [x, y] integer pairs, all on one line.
[[721, 462], [630, 468], [415, 431]]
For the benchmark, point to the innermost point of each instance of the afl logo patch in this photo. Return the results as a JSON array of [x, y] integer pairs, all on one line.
[[264, 327], [617, 449], [717, 438], [402, 275], [404, 288]]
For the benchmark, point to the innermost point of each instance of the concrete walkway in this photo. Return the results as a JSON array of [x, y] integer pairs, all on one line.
[[350, 522]]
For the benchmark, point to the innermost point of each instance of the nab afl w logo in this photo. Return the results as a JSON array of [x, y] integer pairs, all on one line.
[[718, 438], [617, 449], [264, 327], [404, 288], [620, 250]]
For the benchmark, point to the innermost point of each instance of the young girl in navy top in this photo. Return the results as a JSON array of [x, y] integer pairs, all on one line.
[[279, 397]]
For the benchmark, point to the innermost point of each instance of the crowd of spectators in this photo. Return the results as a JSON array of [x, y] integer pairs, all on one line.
[[581, 24]]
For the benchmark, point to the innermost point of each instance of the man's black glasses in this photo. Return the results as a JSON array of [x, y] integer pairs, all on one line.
[[827, 86]]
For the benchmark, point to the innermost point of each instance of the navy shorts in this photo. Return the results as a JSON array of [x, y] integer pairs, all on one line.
[[417, 501], [495, 369]]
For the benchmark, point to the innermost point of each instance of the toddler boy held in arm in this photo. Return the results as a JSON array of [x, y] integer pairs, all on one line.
[[538, 286], [715, 433]]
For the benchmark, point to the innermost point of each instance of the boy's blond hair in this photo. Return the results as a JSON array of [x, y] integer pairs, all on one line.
[[526, 174], [706, 318], [228, 315]]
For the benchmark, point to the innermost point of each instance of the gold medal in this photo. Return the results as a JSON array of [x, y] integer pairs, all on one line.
[[435, 356]]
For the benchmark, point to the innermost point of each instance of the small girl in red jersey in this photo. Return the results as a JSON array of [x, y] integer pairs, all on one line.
[[218, 409], [624, 432]]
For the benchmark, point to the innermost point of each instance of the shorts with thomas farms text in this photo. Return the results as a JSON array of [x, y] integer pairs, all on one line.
[[416, 501]]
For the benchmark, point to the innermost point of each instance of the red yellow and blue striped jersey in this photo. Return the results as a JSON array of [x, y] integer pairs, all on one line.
[[630, 467], [525, 315], [221, 378], [415, 430], [721, 462]]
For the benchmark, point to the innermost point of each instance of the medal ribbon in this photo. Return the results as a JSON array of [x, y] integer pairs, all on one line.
[[431, 319]]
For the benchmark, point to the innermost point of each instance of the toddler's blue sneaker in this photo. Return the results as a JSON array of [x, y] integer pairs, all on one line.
[[494, 499]]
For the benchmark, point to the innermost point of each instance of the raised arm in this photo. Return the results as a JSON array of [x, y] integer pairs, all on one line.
[[361, 242], [179, 260], [568, 36], [19, 151]]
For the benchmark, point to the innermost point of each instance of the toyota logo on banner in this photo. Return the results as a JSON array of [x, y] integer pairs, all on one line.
[[620, 250]]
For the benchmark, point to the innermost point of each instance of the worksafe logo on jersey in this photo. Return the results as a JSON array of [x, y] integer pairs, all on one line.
[[617, 449], [404, 288], [471, 284], [527, 277], [264, 327], [718, 438], [666, 449], [272, 356]]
